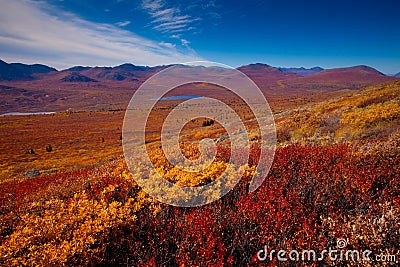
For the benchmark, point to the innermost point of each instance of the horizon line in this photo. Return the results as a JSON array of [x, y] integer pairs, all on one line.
[[236, 67]]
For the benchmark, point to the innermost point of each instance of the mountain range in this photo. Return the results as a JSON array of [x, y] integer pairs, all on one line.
[[290, 81], [130, 72], [41, 88], [302, 71], [19, 71]]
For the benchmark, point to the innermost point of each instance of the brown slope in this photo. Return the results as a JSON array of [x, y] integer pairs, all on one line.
[[274, 81], [22, 72], [124, 72], [76, 77], [48, 93], [370, 113], [350, 78], [266, 76], [9, 73], [75, 88]]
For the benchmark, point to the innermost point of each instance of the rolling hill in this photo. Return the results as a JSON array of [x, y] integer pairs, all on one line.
[[263, 73], [76, 77], [371, 113], [42, 88], [22, 72], [276, 81]]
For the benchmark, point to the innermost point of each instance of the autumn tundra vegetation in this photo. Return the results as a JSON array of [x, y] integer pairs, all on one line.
[[335, 175]]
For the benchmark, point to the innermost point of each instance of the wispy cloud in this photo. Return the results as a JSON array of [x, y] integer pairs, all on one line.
[[169, 45], [185, 42], [123, 23], [34, 32], [168, 19]]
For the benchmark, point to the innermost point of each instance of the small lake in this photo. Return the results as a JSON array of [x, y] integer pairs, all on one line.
[[178, 97], [25, 113]]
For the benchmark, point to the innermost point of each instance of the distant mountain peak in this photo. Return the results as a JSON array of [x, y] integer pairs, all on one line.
[[363, 67], [257, 66], [77, 68], [22, 72], [76, 77], [8, 72], [370, 69], [131, 67], [316, 68], [32, 69], [359, 68], [302, 71]]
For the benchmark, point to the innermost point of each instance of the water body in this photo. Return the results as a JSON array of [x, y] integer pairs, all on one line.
[[178, 97], [26, 113]]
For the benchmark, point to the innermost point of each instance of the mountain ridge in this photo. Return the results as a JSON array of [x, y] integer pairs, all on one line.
[[129, 71], [301, 70], [22, 72], [102, 88]]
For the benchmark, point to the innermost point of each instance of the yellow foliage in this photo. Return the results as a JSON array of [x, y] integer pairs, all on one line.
[[363, 113], [59, 232], [370, 115]]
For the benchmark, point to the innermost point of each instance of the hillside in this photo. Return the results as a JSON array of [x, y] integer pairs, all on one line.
[[76, 77], [266, 77], [334, 177], [128, 72], [351, 78], [9, 73], [370, 113], [41, 88], [22, 72], [274, 81]]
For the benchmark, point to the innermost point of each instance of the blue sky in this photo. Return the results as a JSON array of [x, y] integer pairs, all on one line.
[[279, 33]]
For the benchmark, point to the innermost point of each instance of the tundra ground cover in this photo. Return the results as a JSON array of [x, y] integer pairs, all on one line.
[[99, 216], [317, 191]]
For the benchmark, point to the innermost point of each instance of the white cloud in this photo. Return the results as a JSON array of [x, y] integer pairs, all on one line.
[[123, 23], [167, 19], [33, 32], [169, 45], [185, 42], [152, 4]]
